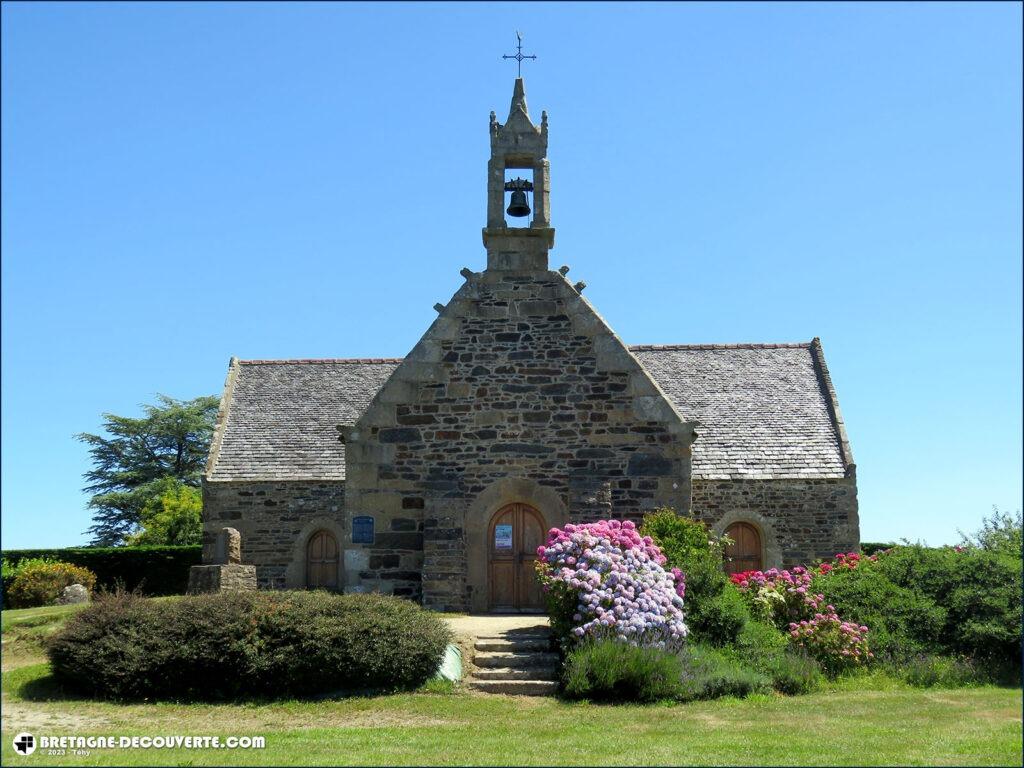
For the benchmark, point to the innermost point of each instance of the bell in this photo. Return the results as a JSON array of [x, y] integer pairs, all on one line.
[[518, 205]]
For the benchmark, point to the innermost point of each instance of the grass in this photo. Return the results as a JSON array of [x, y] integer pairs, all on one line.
[[872, 720], [48, 615], [24, 629]]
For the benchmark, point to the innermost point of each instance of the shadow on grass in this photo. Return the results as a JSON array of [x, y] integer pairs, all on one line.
[[45, 688], [38, 684]]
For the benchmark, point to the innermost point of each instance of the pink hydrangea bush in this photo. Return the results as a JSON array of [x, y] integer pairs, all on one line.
[[779, 596], [836, 644], [604, 580], [785, 598]]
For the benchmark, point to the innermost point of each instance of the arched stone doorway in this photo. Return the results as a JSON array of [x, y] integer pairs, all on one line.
[[514, 533], [745, 553], [322, 555]]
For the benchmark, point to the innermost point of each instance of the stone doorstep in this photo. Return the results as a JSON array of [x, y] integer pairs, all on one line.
[[501, 644], [516, 687], [515, 673], [499, 659]]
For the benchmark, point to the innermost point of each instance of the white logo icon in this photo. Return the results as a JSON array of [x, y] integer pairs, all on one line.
[[24, 744]]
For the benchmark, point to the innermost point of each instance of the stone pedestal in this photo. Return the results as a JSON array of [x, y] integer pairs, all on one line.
[[231, 577]]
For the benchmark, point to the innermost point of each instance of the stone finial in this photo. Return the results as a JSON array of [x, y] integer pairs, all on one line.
[[439, 307], [518, 99], [229, 547], [466, 272], [580, 286], [564, 270]]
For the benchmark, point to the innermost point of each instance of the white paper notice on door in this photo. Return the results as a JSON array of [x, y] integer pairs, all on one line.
[[503, 537]]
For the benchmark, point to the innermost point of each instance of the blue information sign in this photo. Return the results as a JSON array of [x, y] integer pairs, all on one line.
[[362, 529]]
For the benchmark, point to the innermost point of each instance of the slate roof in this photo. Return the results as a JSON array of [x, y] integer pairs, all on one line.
[[281, 416], [763, 411]]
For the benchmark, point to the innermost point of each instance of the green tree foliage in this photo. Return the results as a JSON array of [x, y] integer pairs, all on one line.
[[174, 517], [135, 455], [1000, 532]]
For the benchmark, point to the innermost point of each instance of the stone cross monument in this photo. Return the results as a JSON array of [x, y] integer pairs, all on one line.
[[227, 573]]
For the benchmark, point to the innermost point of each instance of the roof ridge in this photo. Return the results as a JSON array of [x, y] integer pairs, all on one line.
[[631, 347], [342, 360], [832, 404], [749, 345]]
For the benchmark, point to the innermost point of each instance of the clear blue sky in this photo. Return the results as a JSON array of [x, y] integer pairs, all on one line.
[[183, 183]]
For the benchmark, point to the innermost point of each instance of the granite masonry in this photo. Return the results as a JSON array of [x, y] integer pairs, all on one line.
[[519, 409]]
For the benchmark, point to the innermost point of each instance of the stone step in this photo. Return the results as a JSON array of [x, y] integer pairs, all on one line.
[[515, 659], [515, 673], [500, 644], [516, 687], [512, 635]]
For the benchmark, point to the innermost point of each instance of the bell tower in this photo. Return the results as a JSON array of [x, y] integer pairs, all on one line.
[[518, 144]]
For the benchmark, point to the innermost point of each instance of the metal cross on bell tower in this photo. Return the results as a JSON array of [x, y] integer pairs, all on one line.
[[519, 56]]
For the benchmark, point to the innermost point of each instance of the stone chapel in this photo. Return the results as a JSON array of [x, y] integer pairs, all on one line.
[[436, 476]]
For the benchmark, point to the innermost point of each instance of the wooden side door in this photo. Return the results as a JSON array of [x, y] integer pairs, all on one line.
[[745, 552], [322, 561], [514, 534]]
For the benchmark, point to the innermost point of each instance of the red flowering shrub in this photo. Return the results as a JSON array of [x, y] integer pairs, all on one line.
[[848, 561]]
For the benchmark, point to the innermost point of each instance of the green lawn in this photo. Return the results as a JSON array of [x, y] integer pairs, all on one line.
[[873, 721]]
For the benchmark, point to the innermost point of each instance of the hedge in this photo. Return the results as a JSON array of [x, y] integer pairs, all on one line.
[[153, 570], [232, 645]]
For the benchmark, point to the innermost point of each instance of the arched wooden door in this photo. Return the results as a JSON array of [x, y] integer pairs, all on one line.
[[322, 561], [745, 552], [513, 536]]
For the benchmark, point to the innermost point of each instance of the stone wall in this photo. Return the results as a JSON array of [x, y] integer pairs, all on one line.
[[275, 519], [800, 519], [518, 378]]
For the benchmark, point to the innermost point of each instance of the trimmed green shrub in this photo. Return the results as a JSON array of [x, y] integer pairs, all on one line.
[[153, 570], [232, 645], [41, 582], [718, 619], [759, 642], [793, 673], [715, 611], [709, 672], [606, 670], [930, 671]]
